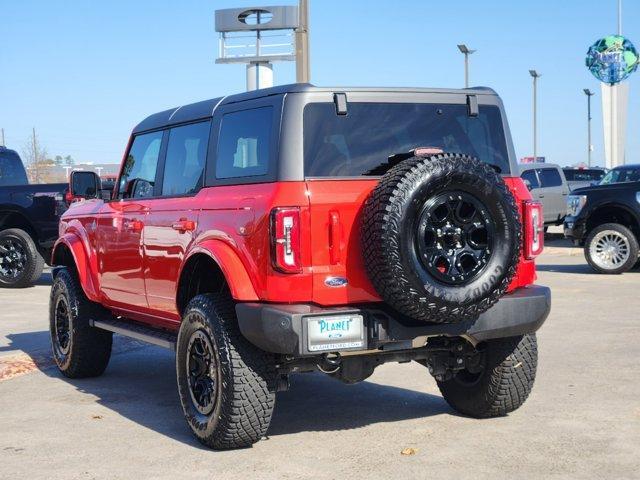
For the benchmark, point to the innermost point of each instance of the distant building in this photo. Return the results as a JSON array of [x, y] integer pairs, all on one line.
[[533, 160]]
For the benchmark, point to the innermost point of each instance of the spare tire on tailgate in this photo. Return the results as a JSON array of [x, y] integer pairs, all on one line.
[[441, 237]]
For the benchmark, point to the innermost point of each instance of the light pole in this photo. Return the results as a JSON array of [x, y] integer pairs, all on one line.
[[535, 76], [303, 66], [466, 51], [589, 94]]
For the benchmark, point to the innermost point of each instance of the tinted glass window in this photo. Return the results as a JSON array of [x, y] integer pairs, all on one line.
[[583, 175], [139, 172], [549, 177], [243, 147], [531, 176], [186, 155], [11, 169], [620, 175], [360, 142]]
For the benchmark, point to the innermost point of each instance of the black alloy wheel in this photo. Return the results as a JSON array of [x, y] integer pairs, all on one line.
[[454, 238], [13, 258], [202, 369]]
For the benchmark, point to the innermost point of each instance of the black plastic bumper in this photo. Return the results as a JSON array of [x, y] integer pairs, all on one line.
[[282, 328]]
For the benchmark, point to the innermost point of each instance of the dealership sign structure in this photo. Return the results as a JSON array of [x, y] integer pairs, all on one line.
[[611, 60]]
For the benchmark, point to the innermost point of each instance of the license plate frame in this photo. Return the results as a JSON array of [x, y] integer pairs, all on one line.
[[334, 333]]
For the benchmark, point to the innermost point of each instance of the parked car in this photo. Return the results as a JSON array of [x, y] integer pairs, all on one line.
[[583, 177], [548, 185], [290, 230], [605, 219], [29, 216]]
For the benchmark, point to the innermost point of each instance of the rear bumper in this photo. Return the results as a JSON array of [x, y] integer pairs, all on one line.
[[282, 328]]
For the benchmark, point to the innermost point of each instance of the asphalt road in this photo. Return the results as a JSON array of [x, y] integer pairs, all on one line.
[[581, 421]]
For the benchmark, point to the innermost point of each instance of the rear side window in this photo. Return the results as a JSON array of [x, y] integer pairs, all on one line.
[[244, 143], [549, 177], [185, 160], [11, 169], [531, 177], [360, 142], [139, 171]]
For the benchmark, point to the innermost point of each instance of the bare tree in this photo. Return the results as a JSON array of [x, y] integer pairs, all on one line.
[[36, 160]]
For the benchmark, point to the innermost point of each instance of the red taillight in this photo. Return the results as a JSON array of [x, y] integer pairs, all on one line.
[[285, 239], [533, 229]]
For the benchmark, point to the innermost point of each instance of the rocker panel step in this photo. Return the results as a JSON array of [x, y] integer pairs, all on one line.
[[140, 332]]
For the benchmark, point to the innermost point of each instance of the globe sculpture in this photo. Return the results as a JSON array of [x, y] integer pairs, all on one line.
[[612, 59]]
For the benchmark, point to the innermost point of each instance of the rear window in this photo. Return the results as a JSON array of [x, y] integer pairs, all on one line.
[[361, 141], [583, 175], [11, 169]]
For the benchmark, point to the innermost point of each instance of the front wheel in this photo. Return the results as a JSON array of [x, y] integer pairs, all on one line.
[[501, 384], [611, 248], [226, 385]]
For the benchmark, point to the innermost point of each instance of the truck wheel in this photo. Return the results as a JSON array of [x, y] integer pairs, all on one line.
[[20, 263], [79, 349], [441, 237], [611, 248], [502, 384], [226, 385]]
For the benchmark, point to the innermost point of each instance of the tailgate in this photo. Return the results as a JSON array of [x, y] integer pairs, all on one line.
[[336, 206]]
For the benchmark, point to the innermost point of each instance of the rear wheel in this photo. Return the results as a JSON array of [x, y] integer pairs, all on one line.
[[501, 384], [79, 349], [226, 385], [611, 248], [20, 263]]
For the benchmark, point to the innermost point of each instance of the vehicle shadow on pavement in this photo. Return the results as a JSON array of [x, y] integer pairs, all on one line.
[[317, 402], [46, 279], [139, 385]]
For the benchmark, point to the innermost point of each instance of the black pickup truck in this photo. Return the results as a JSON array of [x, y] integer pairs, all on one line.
[[29, 217], [605, 219]]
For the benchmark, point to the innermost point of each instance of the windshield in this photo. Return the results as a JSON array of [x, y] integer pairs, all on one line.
[[11, 169], [583, 175], [621, 175], [360, 142]]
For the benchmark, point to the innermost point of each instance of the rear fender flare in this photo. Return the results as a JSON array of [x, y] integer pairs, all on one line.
[[233, 269]]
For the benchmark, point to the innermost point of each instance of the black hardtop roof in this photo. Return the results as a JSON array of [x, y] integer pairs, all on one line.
[[204, 109]]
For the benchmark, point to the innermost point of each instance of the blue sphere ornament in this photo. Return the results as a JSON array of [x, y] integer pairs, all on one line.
[[612, 59]]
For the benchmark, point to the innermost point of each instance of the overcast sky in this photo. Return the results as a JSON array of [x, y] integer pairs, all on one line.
[[84, 73]]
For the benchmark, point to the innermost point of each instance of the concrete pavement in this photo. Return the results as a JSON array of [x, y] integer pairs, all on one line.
[[581, 421]]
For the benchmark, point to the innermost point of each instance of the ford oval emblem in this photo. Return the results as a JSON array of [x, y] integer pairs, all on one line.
[[336, 282]]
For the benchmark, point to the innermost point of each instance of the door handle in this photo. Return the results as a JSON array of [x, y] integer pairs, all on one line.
[[183, 225], [134, 226], [540, 196]]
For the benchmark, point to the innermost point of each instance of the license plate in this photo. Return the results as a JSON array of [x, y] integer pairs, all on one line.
[[335, 333]]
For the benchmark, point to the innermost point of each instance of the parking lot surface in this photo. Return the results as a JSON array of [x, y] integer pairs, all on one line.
[[581, 421]]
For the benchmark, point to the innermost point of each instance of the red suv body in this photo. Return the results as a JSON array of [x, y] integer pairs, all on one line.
[[263, 195]]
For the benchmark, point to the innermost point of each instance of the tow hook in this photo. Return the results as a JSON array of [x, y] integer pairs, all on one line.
[[330, 363]]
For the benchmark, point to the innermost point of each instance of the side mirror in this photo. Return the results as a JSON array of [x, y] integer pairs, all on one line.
[[84, 185], [138, 188], [528, 185]]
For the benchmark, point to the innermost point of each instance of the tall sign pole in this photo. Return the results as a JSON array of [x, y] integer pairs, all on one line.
[[303, 65]]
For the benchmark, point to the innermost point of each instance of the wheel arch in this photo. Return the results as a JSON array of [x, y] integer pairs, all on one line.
[[210, 267], [17, 219], [613, 213], [69, 252]]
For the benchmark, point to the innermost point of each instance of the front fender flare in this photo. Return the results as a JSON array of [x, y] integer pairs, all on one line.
[[233, 269], [85, 265]]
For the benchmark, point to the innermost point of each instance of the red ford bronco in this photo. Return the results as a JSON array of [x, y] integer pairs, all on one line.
[[296, 229]]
